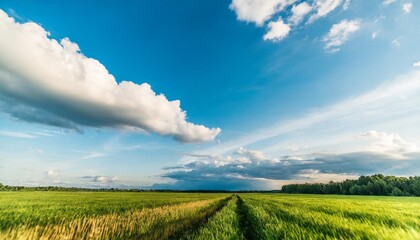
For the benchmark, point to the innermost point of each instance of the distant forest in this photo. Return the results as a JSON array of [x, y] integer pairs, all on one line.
[[377, 184], [78, 189]]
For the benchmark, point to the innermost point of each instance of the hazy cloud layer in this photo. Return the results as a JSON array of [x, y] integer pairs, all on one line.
[[50, 82], [249, 169]]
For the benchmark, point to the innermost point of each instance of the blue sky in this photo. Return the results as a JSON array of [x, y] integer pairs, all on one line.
[[241, 94]]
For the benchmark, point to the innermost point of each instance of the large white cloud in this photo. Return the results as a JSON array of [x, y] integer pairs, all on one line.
[[340, 33], [43, 80], [258, 11]]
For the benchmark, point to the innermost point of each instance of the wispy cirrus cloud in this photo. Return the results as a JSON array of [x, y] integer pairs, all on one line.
[[323, 8], [16, 134], [387, 2], [386, 106]]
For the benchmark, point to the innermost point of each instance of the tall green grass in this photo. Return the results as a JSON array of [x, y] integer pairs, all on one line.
[[63, 215], [314, 217], [45, 208], [156, 223]]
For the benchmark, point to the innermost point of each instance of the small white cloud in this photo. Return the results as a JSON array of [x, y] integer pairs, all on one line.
[[52, 173], [93, 155], [387, 2], [340, 33], [324, 7], [102, 180], [258, 11], [396, 42], [252, 155], [277, 31], [375, 34], [299, 11], [407, 7], [346, 5], [416, 64]]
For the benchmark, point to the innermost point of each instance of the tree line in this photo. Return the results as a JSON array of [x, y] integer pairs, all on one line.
[[377, 184], [79, 189]]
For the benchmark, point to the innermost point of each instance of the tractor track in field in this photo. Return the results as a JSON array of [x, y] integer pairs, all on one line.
[[244, 223], [184, 232]]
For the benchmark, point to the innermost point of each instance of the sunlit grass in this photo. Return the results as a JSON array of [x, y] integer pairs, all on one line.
[[45, 208], [62, 215], [313, 217]]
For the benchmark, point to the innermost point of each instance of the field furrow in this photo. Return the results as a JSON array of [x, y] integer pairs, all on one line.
[[225, 224]]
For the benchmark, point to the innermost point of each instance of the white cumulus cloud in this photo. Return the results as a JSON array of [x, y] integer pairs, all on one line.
[[50, 82], [416, 64], [299, 11], [277, 30], [340, 33], [258, 11]]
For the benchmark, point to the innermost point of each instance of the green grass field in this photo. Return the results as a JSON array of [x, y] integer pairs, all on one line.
[[98, 215]]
